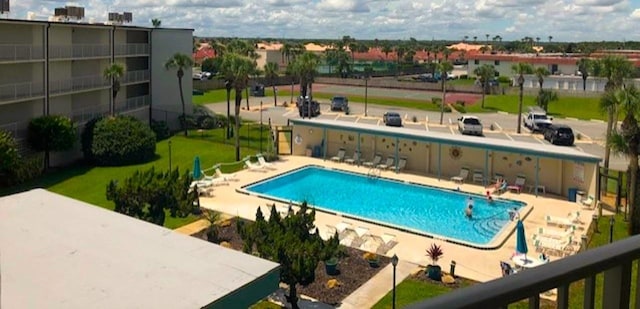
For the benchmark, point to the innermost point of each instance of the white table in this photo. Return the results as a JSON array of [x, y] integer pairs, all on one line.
[[530, 262], [539, 189]]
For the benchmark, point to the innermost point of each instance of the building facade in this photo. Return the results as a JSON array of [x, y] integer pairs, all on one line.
[[56, 68]]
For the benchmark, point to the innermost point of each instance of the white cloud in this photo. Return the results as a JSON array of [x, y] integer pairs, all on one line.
[[635, 14]]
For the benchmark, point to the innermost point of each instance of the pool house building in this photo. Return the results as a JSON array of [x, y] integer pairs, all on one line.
[[562, 171]]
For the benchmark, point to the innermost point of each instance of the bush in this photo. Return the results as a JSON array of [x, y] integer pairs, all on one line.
[[504, 80], [122, 140], [436, 101], [189, 120], [86, 138], [9, 156], [161, 129], [447, 109], [29, 167], [460, 102], [460, 108]]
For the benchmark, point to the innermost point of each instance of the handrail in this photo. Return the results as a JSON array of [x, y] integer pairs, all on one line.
[[614, 260], [17, 52], [17, 91]]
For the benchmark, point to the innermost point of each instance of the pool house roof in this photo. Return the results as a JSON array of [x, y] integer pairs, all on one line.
[[58, 252], [539, 150]]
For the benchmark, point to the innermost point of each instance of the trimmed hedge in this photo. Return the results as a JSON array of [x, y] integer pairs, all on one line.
[[161, 129], [121, 140]]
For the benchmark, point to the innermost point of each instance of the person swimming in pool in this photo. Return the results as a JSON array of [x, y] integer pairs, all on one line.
[[469, 210]]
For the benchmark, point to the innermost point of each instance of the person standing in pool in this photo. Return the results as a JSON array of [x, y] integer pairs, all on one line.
[[468, 212]]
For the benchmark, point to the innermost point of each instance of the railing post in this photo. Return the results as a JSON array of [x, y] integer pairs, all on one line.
[[562, 301], [589, 293], [616, 286]]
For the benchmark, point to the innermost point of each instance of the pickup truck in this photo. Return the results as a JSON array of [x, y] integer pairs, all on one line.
[[536, 119], [470, 125]]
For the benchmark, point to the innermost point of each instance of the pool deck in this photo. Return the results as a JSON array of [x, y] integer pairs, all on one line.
[[475, 264]]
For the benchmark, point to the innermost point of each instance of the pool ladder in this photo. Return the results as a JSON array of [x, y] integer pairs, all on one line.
[[374, 173]]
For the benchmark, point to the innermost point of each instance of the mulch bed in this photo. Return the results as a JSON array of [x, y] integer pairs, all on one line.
[[353, 269]]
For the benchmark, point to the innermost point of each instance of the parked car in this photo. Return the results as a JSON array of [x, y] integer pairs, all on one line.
[[339, 103], [559, 134], [470, 125], [392, 119], [537, 119], [305, 111]]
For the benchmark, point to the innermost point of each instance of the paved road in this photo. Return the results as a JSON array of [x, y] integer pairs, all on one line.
[[504, 124]]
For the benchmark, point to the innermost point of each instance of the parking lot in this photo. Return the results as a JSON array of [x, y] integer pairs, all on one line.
[[496, 125]]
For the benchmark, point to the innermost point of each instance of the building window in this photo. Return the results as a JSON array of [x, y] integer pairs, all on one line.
[[496, 62], [476, 62]]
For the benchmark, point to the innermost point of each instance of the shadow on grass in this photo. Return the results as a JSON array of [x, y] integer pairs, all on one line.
[[50, 178]]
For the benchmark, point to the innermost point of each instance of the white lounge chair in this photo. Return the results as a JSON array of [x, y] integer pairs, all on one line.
[[354, 159], [262, 162], [556, 233], [588, 202], [560, 246], [478, 176], [571, 219], [376, 160], [225, 176], [464, 173], [389, 241], [387, 164], [253, 167], [340, 156], [402, 163]]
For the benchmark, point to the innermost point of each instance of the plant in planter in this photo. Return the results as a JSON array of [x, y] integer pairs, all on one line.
[[329, 253], [434, 271], [372, 259]]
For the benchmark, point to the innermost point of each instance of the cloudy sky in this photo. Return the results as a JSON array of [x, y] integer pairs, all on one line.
[[564, 20]]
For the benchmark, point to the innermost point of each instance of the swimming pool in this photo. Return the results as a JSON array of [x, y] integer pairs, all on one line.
[[417, 208]]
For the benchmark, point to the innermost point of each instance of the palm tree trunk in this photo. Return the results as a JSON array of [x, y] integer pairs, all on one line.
[[584, 83], [293, 296], [444, 95], [275, 95], [184, 115], [633, 190], [484, 90], [247, 92], [228, 112], [237, 122], [607, 150], [520, 109]]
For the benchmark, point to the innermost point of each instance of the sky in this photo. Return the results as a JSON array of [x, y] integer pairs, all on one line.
[[563, 20]]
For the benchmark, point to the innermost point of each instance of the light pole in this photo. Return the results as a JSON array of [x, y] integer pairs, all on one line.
[[366, 90], [260, 126], [611, 223], [394, 262], [520, 84], [169, 155]]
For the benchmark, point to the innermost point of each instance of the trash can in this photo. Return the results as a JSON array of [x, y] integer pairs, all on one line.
[[317, 151], [572, 194], [580, 196]]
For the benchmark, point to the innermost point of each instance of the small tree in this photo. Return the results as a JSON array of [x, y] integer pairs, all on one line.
[[485, 72], [113, 73], [180, 62], [51, 133], [289, 242], [149, 195], [156, 22], [213, 231], [545, 97]]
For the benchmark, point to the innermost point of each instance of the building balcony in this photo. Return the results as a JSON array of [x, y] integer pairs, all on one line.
[[77, 84], [132, 103], [20, 52], [20, 91], [135, 77], [131, 49], [79, 51], [614, 261], [83, 115]]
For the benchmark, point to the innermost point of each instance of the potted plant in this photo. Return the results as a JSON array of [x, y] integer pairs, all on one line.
[[329, 253], [372, 259], [434, 271]]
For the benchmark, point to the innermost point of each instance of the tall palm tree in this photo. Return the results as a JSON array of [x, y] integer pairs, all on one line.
[[444, 68], [306, 69], [237, 68], [615, 69], [113, 73], [271, 74], [180, 62], [545, 97], [484, 72], [521, 69], [583, 67], [156, 22], [541, 73], [627, 142], [386, 49], [550, 38]]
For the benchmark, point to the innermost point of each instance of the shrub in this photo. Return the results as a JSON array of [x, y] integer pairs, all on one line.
[[504, 79], [460, 102], [436, 101], [434, 253], [122, 140], [460, 108], [51, 133], [447, 109], [414, 118], [189, 121], [86, 138], [161, 129], [9, 156]]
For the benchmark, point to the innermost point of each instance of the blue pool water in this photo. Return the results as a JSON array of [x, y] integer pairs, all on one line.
[[422, 209]]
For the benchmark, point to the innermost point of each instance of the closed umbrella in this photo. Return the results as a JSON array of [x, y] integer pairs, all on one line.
[[197, 172], [521, 241]]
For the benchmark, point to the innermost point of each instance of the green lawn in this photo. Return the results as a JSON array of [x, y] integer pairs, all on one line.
[[88, 183], [411, 291], [213, 96], [576, 107]]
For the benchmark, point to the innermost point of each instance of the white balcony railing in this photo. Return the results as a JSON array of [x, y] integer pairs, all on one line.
[[20, 52], [18, 91], [85, 114], [79, 51], [131, 49], [135, 76], [132, 103], [77, 84]]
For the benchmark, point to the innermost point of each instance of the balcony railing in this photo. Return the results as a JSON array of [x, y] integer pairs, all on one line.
[[77, 84], [79, 51], [135, 76], [85, 114], [19, 91], [132, 103], [614, 260], [20, 52], [131, 49]]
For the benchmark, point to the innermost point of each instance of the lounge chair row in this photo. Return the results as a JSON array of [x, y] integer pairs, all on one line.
[[375, 162], [261, 166], [360, 237]]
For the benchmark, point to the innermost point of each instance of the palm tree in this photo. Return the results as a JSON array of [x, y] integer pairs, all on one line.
[[541, 73], [521, 69], [627, 142], [270, 74], [584, 65], [444, 67], [156, 22], [237, 68], [545, 97], [113, 73], [485, 72], [386, 49], [180, 62], [550, 38], [305, 68], [466, 37]]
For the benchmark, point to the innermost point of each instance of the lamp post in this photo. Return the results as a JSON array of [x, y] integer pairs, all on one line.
[[366, 90], [260, 126], [169, 155], [520, 84], [394, 262], [611, 222]]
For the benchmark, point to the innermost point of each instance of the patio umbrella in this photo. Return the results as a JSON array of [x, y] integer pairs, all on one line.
[[521, 240], [197, 172]]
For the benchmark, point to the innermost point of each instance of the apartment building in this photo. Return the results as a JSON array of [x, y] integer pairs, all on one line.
[[49, 68]]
